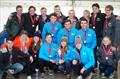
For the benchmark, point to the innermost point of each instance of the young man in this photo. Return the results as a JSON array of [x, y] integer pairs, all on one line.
[[67, 31], [88, 35], [74, 20], [60, 16], [43, 18], [83, 59], [97, 22], [31, 21], [15, 22], [110, 23], [10, 59], [48, 55], [52, 27]]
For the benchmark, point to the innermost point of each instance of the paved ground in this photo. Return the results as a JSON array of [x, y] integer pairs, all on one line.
[[57, 76]]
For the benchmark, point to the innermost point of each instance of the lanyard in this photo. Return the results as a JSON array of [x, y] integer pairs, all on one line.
[[19, 19], [105, 51], [49, 49], [93, 20], [67, 34], [52, 28], [85, 35], [106, 24], [32, 19]]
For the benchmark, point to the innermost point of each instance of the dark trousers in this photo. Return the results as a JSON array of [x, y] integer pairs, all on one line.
[[30, 67], [106, 69], [66, 67], [43, 63], [78, 67]]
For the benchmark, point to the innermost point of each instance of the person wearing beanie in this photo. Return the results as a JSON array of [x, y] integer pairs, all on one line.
[[67, 31], [48, 55], [65, 57], [33, 51], [52, 27], [82, 59]]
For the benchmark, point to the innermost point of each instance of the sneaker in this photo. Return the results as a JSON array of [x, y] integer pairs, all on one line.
[[90, 76], [42, 75], [50, 72], [111, 76], [79, 77], [103, 75], [29, 77], [68, 76]]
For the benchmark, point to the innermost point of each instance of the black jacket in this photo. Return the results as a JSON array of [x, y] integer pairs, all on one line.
[[99, 23], [17, 56], [41, 22], [12, 26], [28, 24], [101, 57]]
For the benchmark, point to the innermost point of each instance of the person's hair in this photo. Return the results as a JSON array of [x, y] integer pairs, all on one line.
[[43, 8], [56, 6], [96, 5], [110, 7], [83, 19], [53, 14], [23, 32], [10, 39], [47, 34], [32, 7], [18, 6], [66, 21], [87, 11], [64, 50]]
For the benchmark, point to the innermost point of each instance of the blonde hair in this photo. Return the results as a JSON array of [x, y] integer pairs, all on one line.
[[87, 11]]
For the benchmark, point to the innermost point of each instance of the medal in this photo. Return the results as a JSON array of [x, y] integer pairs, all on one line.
[[59, 62], [106, 58], [84, 41], [93, 27], [50, 56], [52, 34], [33, 25]]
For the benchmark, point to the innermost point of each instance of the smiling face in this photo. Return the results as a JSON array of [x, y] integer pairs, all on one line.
[[84, 24], [57, 10], [95, 9], [78, 46], [71, 13], [49, 38], [9, 44], [106, 41], [19, 11], [53, 19], [67, 25], [63, 43], [108, 12], [32, 11], [43, 11]]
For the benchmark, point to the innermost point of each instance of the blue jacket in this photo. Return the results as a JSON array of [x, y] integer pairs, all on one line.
[[67, 55], [71, 33], [86, 57], [44, 51], [2, 37], [91, 40], [48, 27]]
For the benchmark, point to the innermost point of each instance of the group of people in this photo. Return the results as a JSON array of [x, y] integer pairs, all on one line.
[[61, 43]]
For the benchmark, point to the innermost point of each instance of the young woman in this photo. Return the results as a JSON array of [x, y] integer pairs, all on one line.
[[65, 56], [107, 58]]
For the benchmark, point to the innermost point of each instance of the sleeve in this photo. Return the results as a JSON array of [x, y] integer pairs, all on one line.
[[94, 44], [44, 32], [1, 61], [42, 54], [74, 55], [91, 62], [59, 36]]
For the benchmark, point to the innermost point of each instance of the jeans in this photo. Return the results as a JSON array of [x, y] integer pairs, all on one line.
[[106, 69], [65, 67], [17, 67]]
